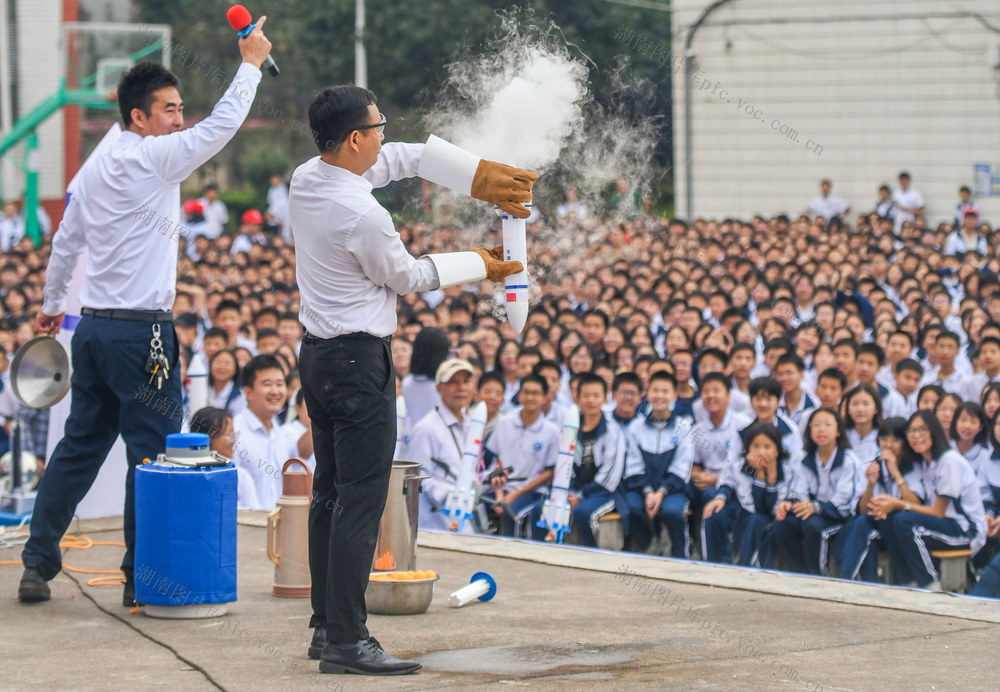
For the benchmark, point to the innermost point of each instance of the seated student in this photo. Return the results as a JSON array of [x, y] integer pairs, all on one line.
[[217, 423], [716, 443], [528, 445], [683, 361], [989, 482], [796, 403], [258, 446], [989, 356], [658, 467], [953, 517], [889, 474], [754, 486], [946, 374], [550, 371], [765, 393], [870, 359], [742, 359], [710, 360], [295, 436], [823, 497], [907, 377], [626, 389], [945, 410], [600, 452], [928, 397], [862, 419], [490, 389], [437, 441], [970, 434], [830, 387]]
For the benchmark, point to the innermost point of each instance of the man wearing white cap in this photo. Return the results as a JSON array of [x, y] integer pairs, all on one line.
[[351, 267], [438, 440]]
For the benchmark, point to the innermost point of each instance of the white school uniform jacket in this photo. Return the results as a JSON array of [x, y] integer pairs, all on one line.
[[739, 482], [714, 447], [974, 385], [528, 449], [807, 403], [610, 450], [259, 452], [437, 442], [952, 477], [989, 482], [659, 453], [838, 498], [885, 485], [864, 448], [893, 403]]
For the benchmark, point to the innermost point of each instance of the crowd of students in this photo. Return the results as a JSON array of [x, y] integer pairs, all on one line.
[[774, 392]]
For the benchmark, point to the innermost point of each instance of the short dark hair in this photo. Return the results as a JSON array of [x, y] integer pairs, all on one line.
[[716, 377], [336, 112], [187, 320], [261, 362], [945, 334], [537, 379], [590, 378], [661, 375], [213, 332], [491, 376], [137, 87], [768, 385], [833, 374], [227, 305], [874, 350], [628, 378], [792, 358], [910, 364]]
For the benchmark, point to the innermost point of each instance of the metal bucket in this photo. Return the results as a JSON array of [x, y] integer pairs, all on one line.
[[396, 549]]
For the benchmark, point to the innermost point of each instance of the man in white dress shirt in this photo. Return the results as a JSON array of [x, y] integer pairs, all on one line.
[[125, 212], [909, 202], [351, 266], [215, 211], [828, 205]]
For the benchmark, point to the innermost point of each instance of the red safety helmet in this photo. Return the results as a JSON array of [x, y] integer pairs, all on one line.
[[193, 206], [252, 216]]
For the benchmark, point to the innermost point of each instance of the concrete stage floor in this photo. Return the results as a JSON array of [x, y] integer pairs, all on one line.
[[563, 619]]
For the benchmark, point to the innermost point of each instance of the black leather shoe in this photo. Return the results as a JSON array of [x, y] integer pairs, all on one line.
[[317, 643], [33, 587], [366, 657], [128, 594]]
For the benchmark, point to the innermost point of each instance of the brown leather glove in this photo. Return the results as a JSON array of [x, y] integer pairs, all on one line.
[[505, 186], [496, 269]]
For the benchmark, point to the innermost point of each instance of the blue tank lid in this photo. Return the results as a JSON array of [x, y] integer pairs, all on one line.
[[187, 440]]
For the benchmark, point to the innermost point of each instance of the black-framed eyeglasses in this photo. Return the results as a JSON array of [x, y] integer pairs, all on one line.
[[378, 127]]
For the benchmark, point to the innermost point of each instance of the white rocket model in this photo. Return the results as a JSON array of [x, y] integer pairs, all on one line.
[[556, 511], [400, 423], [515, 248], [461, 500]]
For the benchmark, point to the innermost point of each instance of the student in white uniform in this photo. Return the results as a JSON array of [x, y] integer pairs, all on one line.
[[217, 423], [970, 435], [862, 419], [823, 499], [430, 349], [124, 210], [989, 356], [528, 445], [437, 440], [869, 361], [953, 517], [296, 433], [258, 448], [796, 403]]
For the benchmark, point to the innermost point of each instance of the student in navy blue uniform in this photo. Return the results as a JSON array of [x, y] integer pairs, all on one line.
[[823, 498], [753, 486], [862, 418], [796, 403], [953, 517], [765, 395], [658, 467], [892, 474], [600, 459], [626, 389]]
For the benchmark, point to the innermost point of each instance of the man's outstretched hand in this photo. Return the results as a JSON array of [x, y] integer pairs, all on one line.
[[504, 186], [496, 268]]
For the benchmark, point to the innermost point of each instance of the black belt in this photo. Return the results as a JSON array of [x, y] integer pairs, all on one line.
[[353, 336], [130, 315]]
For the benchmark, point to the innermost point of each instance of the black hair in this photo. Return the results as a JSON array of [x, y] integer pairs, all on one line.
[[792, 358], [490, 377], [768, 385], [256, 364], [742, 346], [430, 349], [851, 343], [945, 334], [910, 364], [537, 380], [336, 112], [872, 349], [545, 364], [265, 332], [716, 377], [778, 342], [977, 412], [768, 430], [137, 87], [939, 441], [628, 378], [598, 313], [227, 305], [658, 375], [716, 353], [216, 331], [833, 373], [236, 375], [870, 391], [809, 447], [209, 420], [590, 378], [186, 320]]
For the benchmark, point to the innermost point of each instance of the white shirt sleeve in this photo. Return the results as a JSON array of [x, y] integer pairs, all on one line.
[[376, 245], [67, 245], [177, 155], [396, 161]]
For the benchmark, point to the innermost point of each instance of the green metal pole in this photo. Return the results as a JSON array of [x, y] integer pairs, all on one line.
[[31, 188]]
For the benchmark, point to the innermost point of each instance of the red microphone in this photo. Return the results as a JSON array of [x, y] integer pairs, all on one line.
[[240, 19]]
